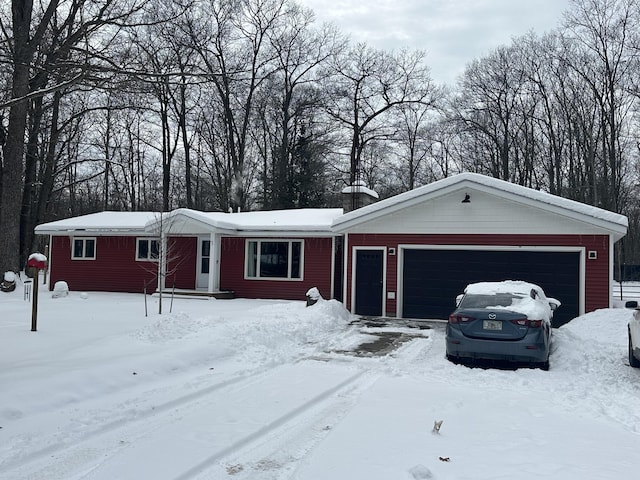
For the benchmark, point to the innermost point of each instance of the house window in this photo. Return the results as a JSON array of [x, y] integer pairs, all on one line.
[[147, 249], [205, 256], [83, 249], [274, 259]]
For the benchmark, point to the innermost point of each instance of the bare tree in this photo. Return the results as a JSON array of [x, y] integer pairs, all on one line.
[[231, 39], [604, 29], [299, 52], [365, 86], [75, 54]]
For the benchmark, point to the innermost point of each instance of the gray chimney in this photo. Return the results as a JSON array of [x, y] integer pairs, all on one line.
[[357, 196]]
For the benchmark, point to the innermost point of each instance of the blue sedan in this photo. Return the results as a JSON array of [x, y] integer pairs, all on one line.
[[506, 321]]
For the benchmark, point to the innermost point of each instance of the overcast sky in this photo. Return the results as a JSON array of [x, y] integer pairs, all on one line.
[[452, 32]]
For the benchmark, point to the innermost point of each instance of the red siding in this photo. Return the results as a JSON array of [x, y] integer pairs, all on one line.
[[181, 264], [317, 272], [597, 290], [115, 268]]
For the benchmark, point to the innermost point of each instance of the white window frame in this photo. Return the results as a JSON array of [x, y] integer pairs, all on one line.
[[148, 240], [84, 248], [258, 242]]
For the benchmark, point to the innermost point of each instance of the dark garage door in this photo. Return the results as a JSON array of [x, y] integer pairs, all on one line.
[[433, 278]]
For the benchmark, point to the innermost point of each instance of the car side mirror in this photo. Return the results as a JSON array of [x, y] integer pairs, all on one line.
[[533, 293], [554, 304], [631, 304]]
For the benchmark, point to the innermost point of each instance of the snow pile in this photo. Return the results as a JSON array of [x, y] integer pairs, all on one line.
[[314, 294], [60, 289], [9, 282]]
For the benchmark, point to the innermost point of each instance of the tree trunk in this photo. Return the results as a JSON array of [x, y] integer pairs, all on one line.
[[12, 169]]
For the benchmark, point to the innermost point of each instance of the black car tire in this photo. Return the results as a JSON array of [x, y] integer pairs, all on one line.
[[545, 366], [633, 361], [453, 359]]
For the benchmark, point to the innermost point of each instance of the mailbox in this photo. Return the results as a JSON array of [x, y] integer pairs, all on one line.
[[39, 262], [36, 262]]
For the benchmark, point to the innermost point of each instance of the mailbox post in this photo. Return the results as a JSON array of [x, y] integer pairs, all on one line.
[[38, 262]]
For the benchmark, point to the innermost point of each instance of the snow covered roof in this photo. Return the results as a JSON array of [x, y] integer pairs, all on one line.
[[183, 220], [124, 223], [474, 181], [282, 222], [360, 187], [329, 221]]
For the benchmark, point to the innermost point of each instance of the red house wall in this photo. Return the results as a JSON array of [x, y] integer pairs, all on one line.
[[597, 291], [181, 264], [317, 272], [115, 268]]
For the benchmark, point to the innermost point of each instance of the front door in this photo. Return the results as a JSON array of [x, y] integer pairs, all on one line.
[[369, 282], [204, 256]]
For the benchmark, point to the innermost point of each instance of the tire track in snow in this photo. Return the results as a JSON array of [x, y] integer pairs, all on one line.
[[316, 410], [279, 453], [102, 454], [169, 407]]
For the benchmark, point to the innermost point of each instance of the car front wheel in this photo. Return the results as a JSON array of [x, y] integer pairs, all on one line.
[[633, 361]]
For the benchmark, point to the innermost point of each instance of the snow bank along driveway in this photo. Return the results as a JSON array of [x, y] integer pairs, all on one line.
[[241, 389]]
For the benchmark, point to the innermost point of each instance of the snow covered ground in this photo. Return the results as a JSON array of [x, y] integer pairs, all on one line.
[[250, 389]]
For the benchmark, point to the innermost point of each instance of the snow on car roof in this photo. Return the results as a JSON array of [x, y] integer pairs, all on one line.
[[507, 286], [538, 309]]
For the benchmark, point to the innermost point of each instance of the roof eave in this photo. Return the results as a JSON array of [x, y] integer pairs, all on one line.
[[285, 232], [90, 231]]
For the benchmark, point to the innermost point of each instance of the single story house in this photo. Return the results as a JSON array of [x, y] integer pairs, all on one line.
[[407, 256]]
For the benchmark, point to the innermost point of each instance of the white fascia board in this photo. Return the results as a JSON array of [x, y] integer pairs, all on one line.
[[99, 224], [255, 233], [95, 232]]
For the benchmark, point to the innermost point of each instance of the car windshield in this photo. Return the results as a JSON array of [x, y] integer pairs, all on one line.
[[488, 300]]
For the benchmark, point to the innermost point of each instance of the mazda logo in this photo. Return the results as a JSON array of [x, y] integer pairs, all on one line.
[[492, 316]]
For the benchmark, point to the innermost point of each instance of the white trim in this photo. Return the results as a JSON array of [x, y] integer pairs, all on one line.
[[148, 240], [503, 248], [345, 270], [199, 275], [333, 266], [214, 264], [51, 258], [290, 242], [355, 249], [84, 248], [611, 268]]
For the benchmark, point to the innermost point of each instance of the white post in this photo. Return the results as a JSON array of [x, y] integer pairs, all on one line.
[[213, 256]]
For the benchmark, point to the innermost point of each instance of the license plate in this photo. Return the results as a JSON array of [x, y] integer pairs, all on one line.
[[492, 324]]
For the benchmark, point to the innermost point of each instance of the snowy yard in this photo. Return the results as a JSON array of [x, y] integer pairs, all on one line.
[[250, 389]]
